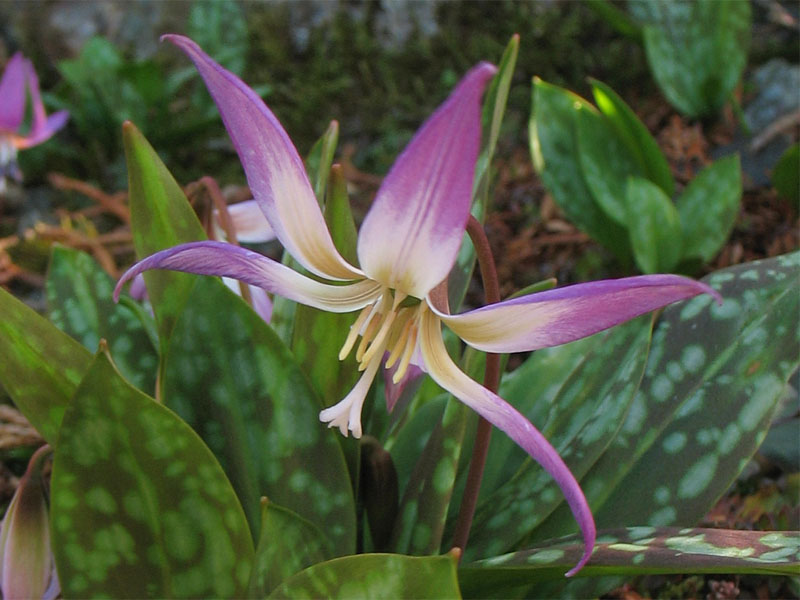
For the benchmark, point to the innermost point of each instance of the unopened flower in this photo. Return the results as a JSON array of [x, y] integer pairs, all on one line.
[[407, 245], [19, 79], [27, 568]]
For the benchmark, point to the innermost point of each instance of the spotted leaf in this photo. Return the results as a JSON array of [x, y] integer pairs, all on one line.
[[230, 377], [287, 544], [713, 378], [376, 576], [636, 551], [140, 507], [41, 366], [80, 304], [580, 420]]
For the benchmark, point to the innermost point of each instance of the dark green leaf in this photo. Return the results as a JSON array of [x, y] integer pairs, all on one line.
[[80, 303], [636, 551], [708, 208], [424, 506], [654, 226], [786, 174], [606, 163], [320, 158], [376, 576], [41, 366], [287, 544], [713, 378], [579, 420], [554, 147], [230, 377], [140, 508], [696, 50], [635, 135]]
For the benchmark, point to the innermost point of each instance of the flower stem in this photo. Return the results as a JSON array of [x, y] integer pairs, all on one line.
[[491, 380]]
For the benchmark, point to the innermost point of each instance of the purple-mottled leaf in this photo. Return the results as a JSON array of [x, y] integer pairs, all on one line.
[[140, 507], [255, 408], [637, 551]]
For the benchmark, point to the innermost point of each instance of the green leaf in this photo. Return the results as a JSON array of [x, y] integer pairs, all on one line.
[[320, 158], [339, 217], [654, 226], [786, 174], [423, 509], [161, 217], [696, 50], [139, 506], [708, 208], [287, 545], [41, 366], [579, 420], [637, 551], [494, 108], [376, 576], [635, 135], [713, 378], [606, 163], [80, 304], [230, 377], [555, 148]]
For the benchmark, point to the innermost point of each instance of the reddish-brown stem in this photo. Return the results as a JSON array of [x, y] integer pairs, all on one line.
[[491, 380]]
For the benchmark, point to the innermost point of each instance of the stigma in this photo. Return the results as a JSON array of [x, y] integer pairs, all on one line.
[[388, 325]]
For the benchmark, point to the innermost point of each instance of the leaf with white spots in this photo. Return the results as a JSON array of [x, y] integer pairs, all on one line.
[[378, 576], [287, 544], [713, 378], [139, 506], [580, 420], [229, 376], [79, 302], [636, 551], [41, 366]]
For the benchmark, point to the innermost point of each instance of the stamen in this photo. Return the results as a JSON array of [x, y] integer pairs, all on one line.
[[399, 345], [378, 341], [355, 329], [369, 332], [411, 344]]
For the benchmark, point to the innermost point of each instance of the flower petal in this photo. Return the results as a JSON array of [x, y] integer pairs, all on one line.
[[506, 418], [227, 260], [249, 222], [565, 314], [12, 92], [410, 237], [274, 170]]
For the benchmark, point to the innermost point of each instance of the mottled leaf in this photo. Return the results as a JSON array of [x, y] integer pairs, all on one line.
[[376, 576], [606, 163], [708, 208], [554, 148], [140, 507], [425, 502], [654, 226], [580, 420], [230, 377], [635, 135], [80, 304], [161, 217], [638, 551], [696, 50], [287, 544], [41, 366], [713, 378]]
